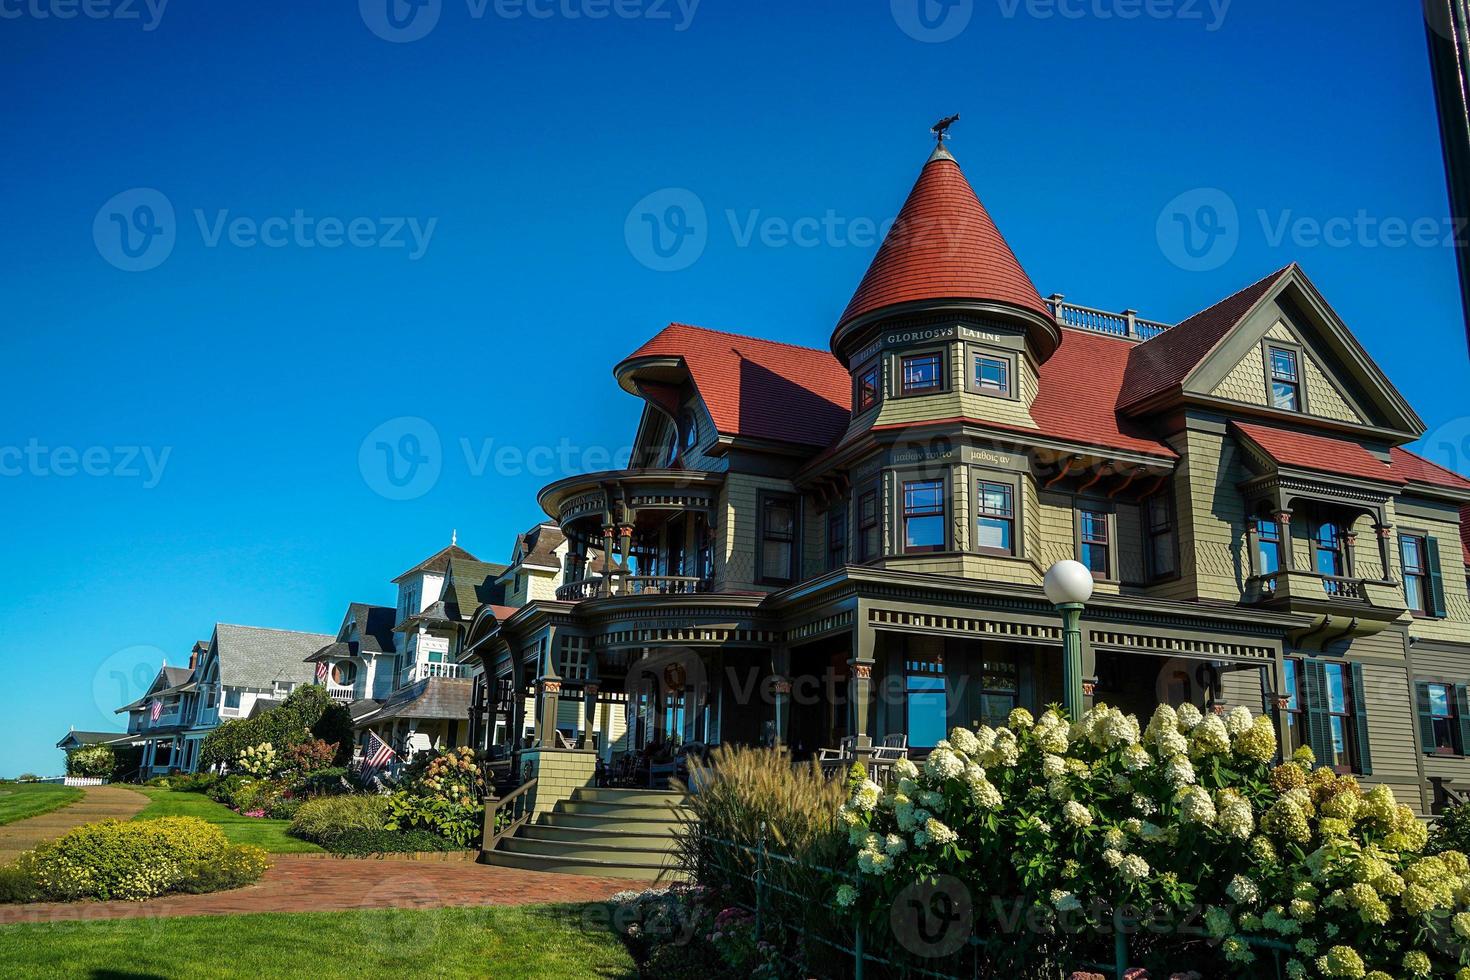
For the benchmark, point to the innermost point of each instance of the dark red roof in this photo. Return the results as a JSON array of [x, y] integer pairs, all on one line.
[[1164, 361], [1324, 454], [1078, 394], [761, 388], [1417, 469], [943, 245]]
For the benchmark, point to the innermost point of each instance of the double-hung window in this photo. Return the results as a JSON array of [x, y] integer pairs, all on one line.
[[837, 536], [923, 516], [1094, 542], [778, 539], [1341, 735], [995, 517], [868, 537], [922, 373], [1268, 546], [1296, 714], [1286, 384], [1327, 544], [1444, 726], [1158, 512], [868, 387], [999, 691], [1416, 574]]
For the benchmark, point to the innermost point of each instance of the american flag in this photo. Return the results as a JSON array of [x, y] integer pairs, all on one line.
[[321, 672], [155, 711], [377, 756]]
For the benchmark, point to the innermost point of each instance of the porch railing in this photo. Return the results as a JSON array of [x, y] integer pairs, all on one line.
[[506, 815], [429, 669], [343, 694], [591, 588], [1124, 324]]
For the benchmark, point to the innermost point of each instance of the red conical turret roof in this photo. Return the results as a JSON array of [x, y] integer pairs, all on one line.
[[943, 246]]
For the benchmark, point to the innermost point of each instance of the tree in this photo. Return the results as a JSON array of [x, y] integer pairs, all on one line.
[[307, 713]]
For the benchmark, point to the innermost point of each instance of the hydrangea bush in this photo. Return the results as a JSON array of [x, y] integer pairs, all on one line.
[[1185, 824]]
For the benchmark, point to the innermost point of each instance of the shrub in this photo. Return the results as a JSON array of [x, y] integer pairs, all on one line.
[[696, 960], [306, 758], [325, 782], [325, 818], [137, 860], [444, 793], [93, 761], [369, 842], [255, 796], [223, 789], [196, 782], [259, 760], [307, 713], [18, 882], [1067, 822], [1451, 831]]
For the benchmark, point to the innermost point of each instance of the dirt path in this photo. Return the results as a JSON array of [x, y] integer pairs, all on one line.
[[99, 803], [302, 884]]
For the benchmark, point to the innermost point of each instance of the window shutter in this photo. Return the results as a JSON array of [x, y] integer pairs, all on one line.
[[1319, 731], [1360, 721], [1436, 577], [1426, 719], [1462, 713]]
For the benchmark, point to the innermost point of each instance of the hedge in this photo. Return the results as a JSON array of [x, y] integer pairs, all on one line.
[[307, 713]]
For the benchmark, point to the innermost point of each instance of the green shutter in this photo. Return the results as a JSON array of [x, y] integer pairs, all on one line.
[[1426, 718], [1462, 712], [1314, 691], [1360, 721], [1436, 577]]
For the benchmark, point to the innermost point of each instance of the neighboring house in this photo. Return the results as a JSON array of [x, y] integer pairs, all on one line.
[[242, 670], [811, 545], [361, 660], [158, 720], [427, 702]]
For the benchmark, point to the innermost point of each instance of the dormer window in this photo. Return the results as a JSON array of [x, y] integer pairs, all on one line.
[[688, 431], [867, 387], [1286, 385], [922, 373]]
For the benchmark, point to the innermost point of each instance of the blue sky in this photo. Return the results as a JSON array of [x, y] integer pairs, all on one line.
[[185, 438]]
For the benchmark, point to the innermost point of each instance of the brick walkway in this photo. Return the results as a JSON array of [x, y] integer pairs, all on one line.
[[99, 803], [299, 884]]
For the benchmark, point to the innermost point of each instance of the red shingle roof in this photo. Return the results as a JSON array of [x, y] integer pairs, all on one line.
[[761, 389], [1324, 454], [943, 245], [1417, 469], [1164, 361], [1079, 387]]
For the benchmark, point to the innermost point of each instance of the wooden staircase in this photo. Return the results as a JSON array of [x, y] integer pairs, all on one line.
[[612, 833]]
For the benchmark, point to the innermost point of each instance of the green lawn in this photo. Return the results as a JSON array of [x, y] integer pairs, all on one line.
[[21, 800], [269, 834], [538, 942]]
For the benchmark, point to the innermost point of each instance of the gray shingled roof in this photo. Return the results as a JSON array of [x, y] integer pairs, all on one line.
[[94, 738], [374, 626], [433, 697], [250, 656]]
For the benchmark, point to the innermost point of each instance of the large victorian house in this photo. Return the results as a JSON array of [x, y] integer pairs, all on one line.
[[813, 546]]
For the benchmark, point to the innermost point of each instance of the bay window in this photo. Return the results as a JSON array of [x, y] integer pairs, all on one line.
[[923, 516]]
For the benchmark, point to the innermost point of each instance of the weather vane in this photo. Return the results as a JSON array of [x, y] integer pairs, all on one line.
[[941, 128]]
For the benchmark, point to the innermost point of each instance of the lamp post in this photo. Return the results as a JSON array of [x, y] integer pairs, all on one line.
[[1068, 585]]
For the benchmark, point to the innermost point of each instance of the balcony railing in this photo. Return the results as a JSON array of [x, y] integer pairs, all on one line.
[[423, 671], [1303, 584], [1125, 324], [591, 588], [343, 694]]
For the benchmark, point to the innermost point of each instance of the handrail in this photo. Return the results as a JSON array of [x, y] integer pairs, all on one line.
[[516, 804], [1124, 324]]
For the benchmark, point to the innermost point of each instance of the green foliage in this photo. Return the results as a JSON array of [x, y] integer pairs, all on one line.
[[362, 843], [1450, 831], [685, 961], [196, 782], [138, 860], [325, 818], [91, 761], [309, 757], [261, 761], [442, 792], [308, 713], [18, 884]]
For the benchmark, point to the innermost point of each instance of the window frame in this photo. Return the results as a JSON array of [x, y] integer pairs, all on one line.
[[1012, 664], [1298, 384], [1013, 490], [921, 666], [688, 434], [1421, 574], [1338, 551], [1151, 532], [942, 375], [1081, 505], [1296, 717], [1275, 538], [876, 526], [1348, 714], [836, 556], [904, 516], [875, 368], [974, 352], [764, 500], [1452, 718]]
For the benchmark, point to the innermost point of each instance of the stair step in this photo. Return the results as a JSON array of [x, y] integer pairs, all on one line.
[[646, 797], [600, 869], [656, 857], [590, 835], [625, 811], [594, 821]]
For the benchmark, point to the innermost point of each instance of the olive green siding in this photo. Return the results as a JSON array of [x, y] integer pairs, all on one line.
[[1246, 382], [1441, 523]]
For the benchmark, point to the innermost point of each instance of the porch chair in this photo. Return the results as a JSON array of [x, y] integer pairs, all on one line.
[[845, 752], [893, 748]]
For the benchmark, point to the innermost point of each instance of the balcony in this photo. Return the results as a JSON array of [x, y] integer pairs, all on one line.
[[346, 695], [585, 505], [423, 671], [1341, 605], [623, 585]]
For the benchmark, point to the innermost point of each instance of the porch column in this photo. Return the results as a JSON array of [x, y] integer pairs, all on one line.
[[860, 687], [1384, 533], [609, 552], [781, 693], [1279, 703], [1288, 549], [549, 691], [1350, 553], [589, 711], [517, 724]]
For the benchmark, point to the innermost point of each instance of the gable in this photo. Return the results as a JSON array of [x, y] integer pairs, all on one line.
[[1339, 381], [1323, 394]]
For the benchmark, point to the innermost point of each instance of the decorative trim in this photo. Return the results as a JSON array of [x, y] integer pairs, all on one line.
[[962, 626], [1175, 646], [829, 624]]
